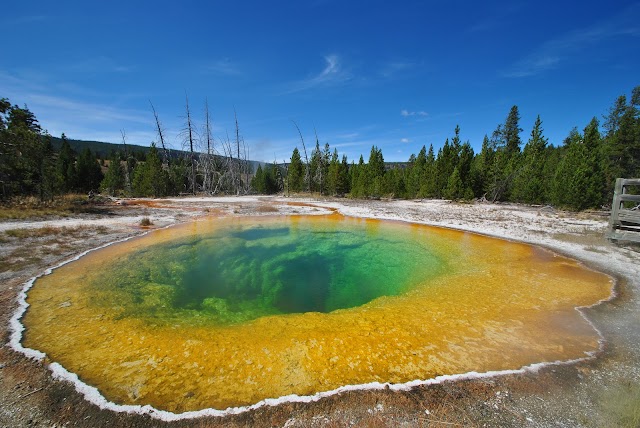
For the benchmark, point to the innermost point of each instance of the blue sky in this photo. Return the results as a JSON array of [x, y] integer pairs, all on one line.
[[396, 74]]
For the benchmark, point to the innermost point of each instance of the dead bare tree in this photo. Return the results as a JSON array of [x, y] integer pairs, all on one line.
[[190, 139], [240, 165], [319, 176], [239, 161], [165, 156], [307, 179], [285, 181], [247, 167], [227, 179], [127, 170], [208, 164]]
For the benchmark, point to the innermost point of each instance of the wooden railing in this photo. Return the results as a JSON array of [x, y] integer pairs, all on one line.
[[624, 224]]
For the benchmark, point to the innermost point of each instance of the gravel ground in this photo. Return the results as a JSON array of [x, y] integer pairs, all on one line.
[[604, 391]]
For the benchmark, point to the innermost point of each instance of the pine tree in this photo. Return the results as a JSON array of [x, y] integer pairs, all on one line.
[[149, 178], [621, 146], [114, 178], [271, 179], [394, 183], [465, 161], [455, 188], [333, 173], [512, 131], [258, 182], [343, 185], [315, 168], [444, 168], [572, 176], [326, 157], [319, 168], [530, 185], [20, 150], [505, 141], [47, 177], [295, 176], [359, 179], [593, 160], [177, 178], [429, 182], [65, 167], [416, 173], [88, 171], [480, 168], [375, 171]]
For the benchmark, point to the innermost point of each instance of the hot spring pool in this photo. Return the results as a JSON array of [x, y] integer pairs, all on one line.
[[228, 312]]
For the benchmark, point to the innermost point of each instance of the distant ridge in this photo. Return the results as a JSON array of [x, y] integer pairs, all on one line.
[[103, 150]]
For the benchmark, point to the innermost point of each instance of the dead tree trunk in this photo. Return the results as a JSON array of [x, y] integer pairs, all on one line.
[[306, 158], [127, 170], [190, 139], [208, 164], [165, 156], [239, 176]]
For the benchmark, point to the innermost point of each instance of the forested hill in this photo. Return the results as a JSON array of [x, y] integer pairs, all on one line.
[[100, 149], [104, 150]]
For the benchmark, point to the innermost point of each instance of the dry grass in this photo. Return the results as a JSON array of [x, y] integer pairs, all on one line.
[[30, 207], [74, 232], [622, 406], [26, 247]]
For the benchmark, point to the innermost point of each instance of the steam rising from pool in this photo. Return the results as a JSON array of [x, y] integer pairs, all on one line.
[[229, 312]]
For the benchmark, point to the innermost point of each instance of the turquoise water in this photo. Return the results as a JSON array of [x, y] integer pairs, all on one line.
[[246, 271]]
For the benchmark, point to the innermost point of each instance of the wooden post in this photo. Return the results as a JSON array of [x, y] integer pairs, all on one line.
[[615, 207], [624, 224]]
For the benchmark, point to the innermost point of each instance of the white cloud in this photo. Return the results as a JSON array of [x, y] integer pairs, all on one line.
[[100, 120], [348, 136], [331, 69], [87, 111], [99, 64], [407, 113], [223, 66], [405, 140], [551, 54], [332, 74]]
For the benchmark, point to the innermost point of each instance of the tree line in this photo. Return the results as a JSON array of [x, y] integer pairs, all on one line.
[[578, 174]]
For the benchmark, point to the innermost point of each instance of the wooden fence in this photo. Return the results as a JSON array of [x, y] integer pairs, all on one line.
[[624, 224]]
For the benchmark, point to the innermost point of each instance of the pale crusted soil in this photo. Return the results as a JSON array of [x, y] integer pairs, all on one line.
[[604, 391]]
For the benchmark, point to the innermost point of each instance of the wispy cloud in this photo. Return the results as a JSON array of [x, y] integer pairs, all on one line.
[[495, 16], [100, 64], [553, 53], [87, 111], [405, 140], [58, 113], [224, 67], [348, 136], [393, 68], [332, 74], [407, 113]]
